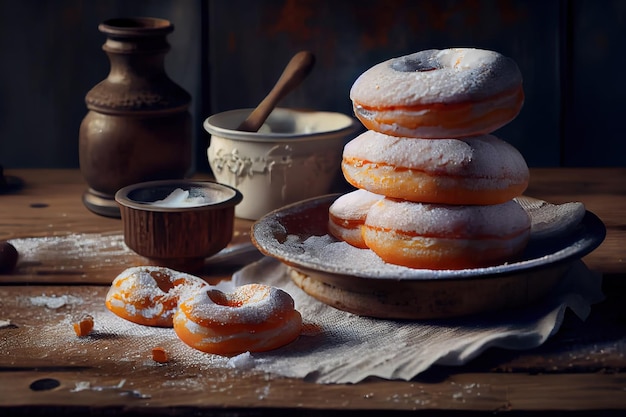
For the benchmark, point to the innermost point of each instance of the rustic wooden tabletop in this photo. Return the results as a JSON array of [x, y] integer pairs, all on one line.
[[578, 370]]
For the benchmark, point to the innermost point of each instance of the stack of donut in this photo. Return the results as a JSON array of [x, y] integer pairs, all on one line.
[[435, 189]]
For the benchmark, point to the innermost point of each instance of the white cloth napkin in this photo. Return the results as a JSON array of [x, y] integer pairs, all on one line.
[[340, 347]]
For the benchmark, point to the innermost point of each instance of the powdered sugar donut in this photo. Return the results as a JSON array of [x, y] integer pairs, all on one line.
[[253, 318], [149, 295], [430, 236], [347, 214], [476, 170], [439, 94]]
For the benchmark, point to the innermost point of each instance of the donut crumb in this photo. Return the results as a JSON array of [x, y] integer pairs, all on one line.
[[84, 326], [159, 355]]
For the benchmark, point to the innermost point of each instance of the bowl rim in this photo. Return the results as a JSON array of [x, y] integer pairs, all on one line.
[[352, 125], [122, 199]]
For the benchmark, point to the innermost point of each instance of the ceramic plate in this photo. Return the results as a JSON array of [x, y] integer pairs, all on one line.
[[297, 235], [358, 281]]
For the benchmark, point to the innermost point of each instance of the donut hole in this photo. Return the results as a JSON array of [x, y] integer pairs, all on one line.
[[163, 281], [225, 300], [419, 62], [244, 295]]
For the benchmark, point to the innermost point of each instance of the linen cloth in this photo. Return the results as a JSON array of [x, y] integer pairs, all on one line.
[[341, 347]]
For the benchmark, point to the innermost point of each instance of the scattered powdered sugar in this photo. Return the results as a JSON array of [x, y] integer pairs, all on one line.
[[54, 302], [316, 249], [73, 254], [113, 340], [243, 361], [119, 387], [57, 339], [81, 244], [338, 253], [328, 253], [342, 347], [186, 384]]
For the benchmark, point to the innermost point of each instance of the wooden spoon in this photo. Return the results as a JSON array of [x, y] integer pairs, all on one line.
[[296, 70]]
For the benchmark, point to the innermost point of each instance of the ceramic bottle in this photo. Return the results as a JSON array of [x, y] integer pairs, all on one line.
[[138, 125]]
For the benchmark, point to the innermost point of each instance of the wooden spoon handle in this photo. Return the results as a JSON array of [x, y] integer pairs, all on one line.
[[296, 70]]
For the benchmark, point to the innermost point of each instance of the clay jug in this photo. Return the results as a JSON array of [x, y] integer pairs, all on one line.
[[138, 125]]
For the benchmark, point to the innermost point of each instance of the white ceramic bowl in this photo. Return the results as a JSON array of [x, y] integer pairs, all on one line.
[[296, 155]]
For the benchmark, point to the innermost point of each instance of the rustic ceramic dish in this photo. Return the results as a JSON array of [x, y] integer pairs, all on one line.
[[357, 281], [178, 232], [295, 155]]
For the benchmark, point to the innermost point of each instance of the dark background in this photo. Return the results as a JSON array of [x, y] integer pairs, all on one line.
[[228, 53]]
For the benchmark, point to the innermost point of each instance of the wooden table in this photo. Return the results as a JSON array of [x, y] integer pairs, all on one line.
[[579, 370]]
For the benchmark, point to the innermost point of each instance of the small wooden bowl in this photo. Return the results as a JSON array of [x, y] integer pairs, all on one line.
[[180, 234]]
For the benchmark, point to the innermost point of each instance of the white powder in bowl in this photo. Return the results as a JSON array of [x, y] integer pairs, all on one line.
[[181, 198]]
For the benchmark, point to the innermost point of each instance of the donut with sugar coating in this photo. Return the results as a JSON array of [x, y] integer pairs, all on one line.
[[478, 170], [252, 318], [434, 93], [149, 295], [346, 216], [434, 236]]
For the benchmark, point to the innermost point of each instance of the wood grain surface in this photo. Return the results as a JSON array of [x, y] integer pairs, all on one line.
[[579, 370]]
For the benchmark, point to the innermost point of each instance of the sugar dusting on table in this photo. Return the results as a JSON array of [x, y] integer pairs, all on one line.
[[344, 348], [46, 328], [107, 248], [84, 257], [53, 337], [55, 302]]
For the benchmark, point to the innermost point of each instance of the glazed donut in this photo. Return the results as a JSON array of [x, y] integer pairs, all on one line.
[[478, 170], [439, 94], [149, 295], [429, 236], [346, 216], [253, 318]]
